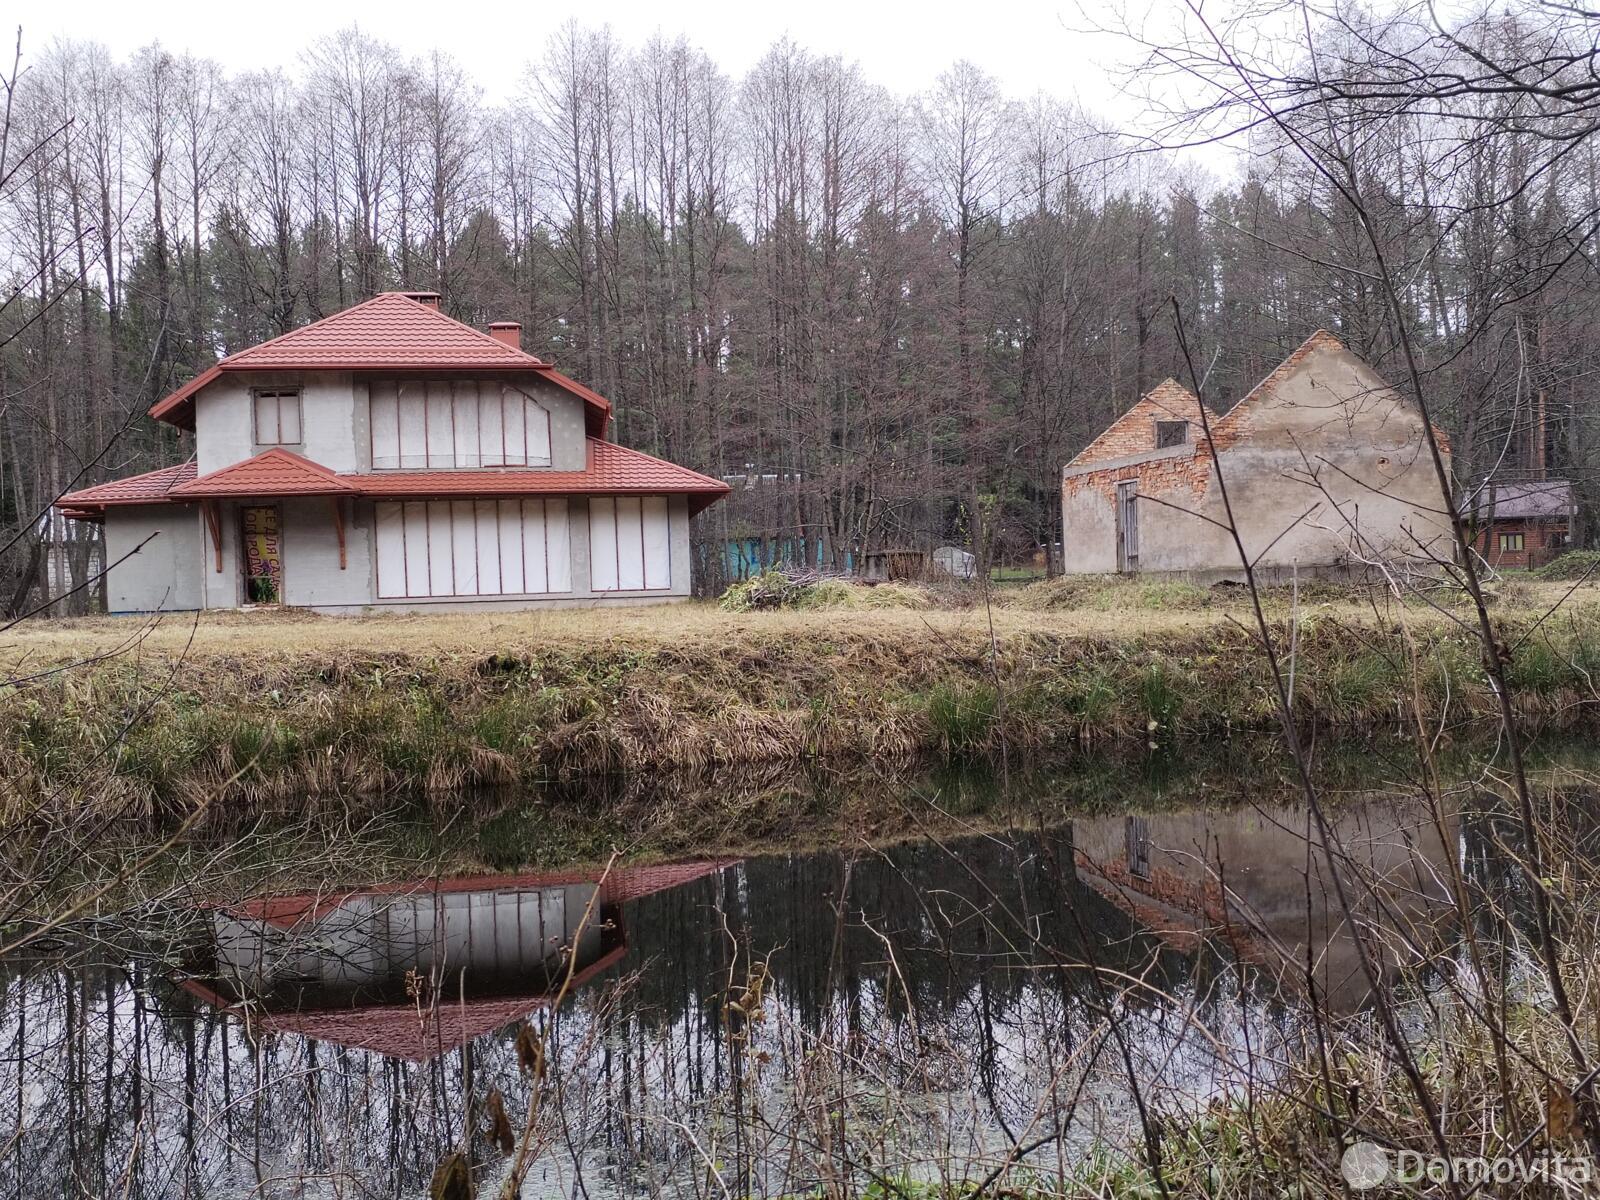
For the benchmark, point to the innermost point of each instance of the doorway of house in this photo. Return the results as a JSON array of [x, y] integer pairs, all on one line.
[[261, 545], [1128, 526]]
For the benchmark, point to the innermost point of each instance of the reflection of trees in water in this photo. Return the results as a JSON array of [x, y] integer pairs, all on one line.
[[930, 1020]]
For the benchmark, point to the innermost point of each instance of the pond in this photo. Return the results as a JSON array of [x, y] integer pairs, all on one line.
[[727, 1026]]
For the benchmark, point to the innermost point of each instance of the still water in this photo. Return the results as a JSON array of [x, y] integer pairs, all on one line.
[[768, 1025]]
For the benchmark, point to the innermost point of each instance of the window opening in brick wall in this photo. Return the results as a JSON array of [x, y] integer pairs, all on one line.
[[1171, 433]]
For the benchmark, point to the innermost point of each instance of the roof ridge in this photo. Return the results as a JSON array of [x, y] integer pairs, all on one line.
[[1290, 362], [281, 452], [288, 333], [479, 333], [510, 353]]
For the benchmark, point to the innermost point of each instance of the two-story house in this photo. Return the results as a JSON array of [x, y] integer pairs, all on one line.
[[390, 457]]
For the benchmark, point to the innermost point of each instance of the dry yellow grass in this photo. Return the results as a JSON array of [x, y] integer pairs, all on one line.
[[275, 633], [274, 709], [272, 634]]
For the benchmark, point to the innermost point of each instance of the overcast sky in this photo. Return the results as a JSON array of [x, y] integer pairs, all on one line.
[[1025, 43]]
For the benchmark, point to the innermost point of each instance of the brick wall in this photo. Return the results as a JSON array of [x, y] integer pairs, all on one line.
[[1541, 541], [1135, 431], [1186, 473]]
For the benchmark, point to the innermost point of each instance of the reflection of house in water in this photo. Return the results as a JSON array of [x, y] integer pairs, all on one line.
[[1239, 879], [415, 969]]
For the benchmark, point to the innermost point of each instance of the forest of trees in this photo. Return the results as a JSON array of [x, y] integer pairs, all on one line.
[[902, 314]]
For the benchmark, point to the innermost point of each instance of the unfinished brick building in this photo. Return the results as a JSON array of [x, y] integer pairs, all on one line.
[[1326, 465]]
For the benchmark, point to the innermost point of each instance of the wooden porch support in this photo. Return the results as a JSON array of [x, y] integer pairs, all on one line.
[[214, 524], [338, 527]]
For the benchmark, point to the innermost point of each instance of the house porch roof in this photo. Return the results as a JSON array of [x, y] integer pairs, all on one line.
[[611, 470]]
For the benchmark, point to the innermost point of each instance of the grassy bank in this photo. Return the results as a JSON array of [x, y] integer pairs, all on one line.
[[265, 710]]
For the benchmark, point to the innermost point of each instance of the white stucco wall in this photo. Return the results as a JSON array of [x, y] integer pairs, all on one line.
[[222, 434], [333, 432], [335, 420], [313, 579], [569, 449], [224, 588], [163, 574]]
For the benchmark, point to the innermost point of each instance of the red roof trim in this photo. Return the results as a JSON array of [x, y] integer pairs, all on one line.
[[176, 407], [612, 470], [572, 385]]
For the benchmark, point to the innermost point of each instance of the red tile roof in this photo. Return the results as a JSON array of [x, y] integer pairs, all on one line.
[[153, 487], [613, 470], [390, 332], [275, 472]]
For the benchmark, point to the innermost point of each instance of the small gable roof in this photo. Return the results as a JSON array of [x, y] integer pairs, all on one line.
[[390, 332], [1134, 431], [275, 472]]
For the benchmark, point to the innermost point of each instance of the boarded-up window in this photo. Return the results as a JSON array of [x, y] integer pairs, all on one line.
[[472, 548], [630, 544], [277, 418], [455, 425]]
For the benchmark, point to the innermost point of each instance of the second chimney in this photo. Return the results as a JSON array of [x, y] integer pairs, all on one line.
[[507, 332]]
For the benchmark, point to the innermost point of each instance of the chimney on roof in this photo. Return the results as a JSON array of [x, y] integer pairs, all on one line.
[[431, 299], [508, 333]]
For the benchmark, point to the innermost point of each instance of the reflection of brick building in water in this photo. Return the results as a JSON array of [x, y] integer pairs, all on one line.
[[1237, 879], [414, 969]]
